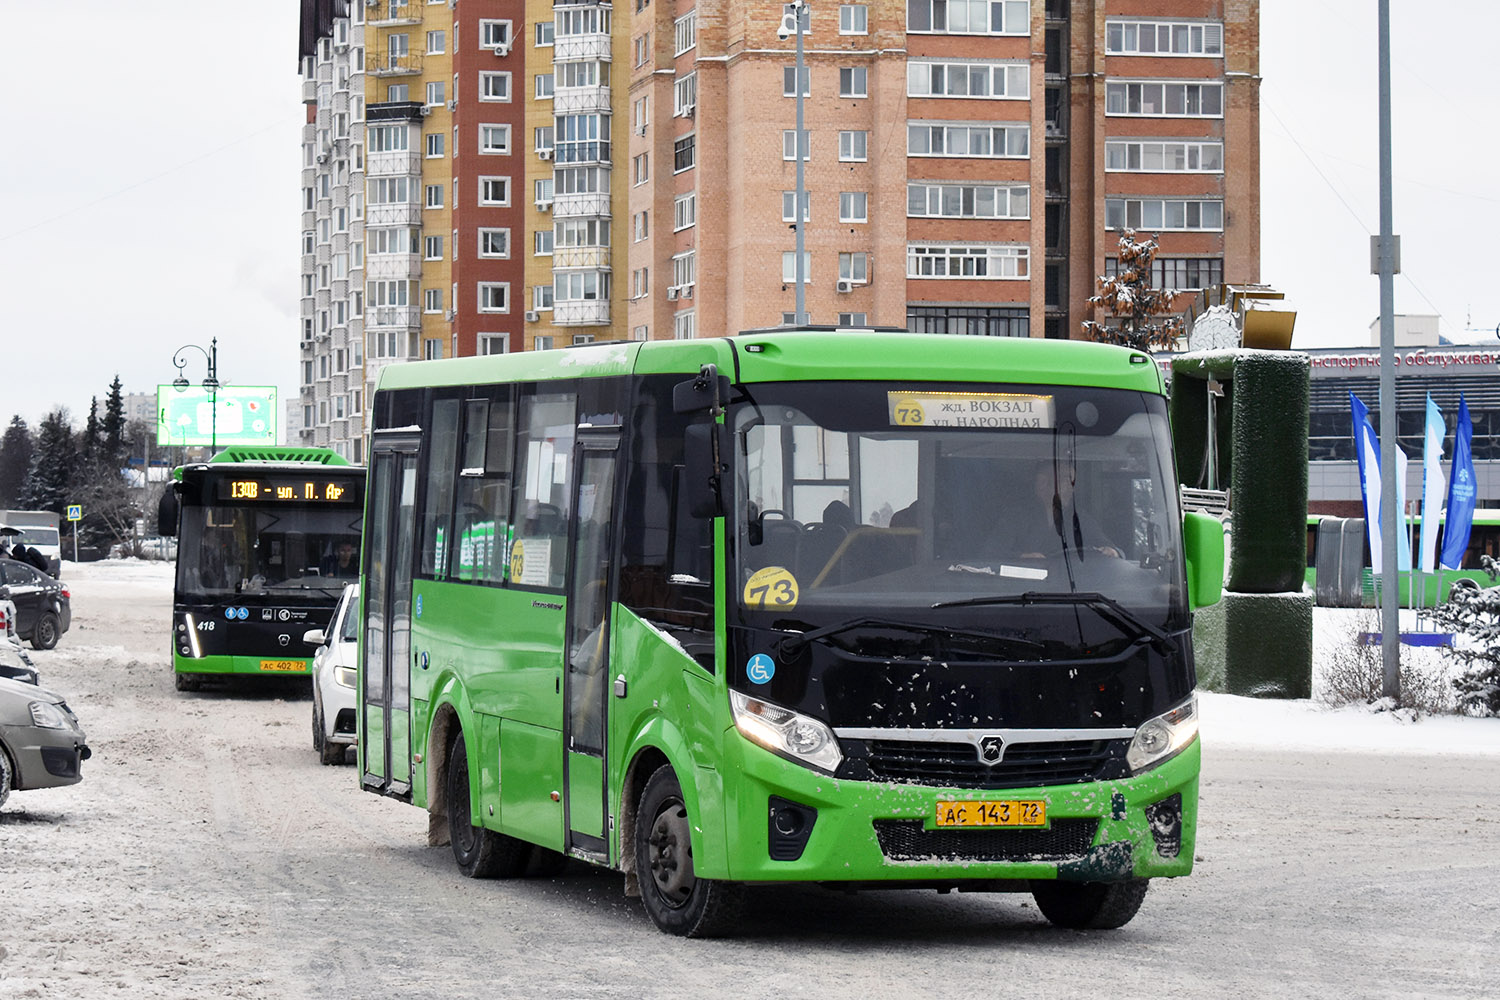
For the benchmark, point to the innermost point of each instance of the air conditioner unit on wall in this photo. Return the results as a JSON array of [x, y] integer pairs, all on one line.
[[686, 291], [450, 314], [503, 49], [453, 105], [544, 154], [532, 315], [544, 204], [640, 130], [671, 293], [688, 110], [845, 286]]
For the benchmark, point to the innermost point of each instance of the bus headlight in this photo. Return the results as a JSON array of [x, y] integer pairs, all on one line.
[[344, 676], [1159, 738], [782, 731]]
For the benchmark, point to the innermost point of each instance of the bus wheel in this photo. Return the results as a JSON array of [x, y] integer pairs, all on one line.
[[480, 853], [187, 682], [677, 901], [1089, 905]]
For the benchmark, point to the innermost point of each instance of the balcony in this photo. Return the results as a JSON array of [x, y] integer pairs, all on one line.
[[581, 312], [393, 317], [573, 206], [592, 258], [393, 164], [581, 48], [395, 64], [400, 213], [573, 100], [393, 265], [383, 13]]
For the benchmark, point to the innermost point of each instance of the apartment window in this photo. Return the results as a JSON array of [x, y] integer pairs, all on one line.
[[434, 196], [640, 333], [789, 144], [437, 93], [573, 20], [685, 32], [854, 81], [542, 243], [494, 243], [1182, 274], [685, 269], [854, 19], [494, 139], [640, 283], [854, 267], [436, 145], [432, 300], [640, 114], [992, 261], [685, 95], [541, 343], [541, 298], [432, 248], [789, 206], [789, 81], [854, 206], [640, 226], [307, 242], [544, 34], [581, 286], [973, 321], [494, 86], [581, 138], [494, 190], [789, 266], [854, 146], [387, 138], [580, 74], [493, 343], [1169, 157], [981, 141], [542, 188], [389, 293], [543, 86], [397, 93], [684, 154], [432, 349], [1163, 38], [685, 325], [582, 232], [1164, 214], [966, 201], [389, 191], [642, 46], [982, 80], [854, 319], [494, 296], [640, 168], [494, 34], [684, 211], [969, 17], [397, 240], [1163, 99], [437, 43]]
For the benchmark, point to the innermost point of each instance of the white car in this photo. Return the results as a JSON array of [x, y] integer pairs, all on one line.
[[334, 669]]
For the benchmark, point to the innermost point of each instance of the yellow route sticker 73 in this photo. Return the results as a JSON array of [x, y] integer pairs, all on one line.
[[772, 587]]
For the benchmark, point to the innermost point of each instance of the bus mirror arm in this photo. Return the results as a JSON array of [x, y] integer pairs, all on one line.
[[708, 390], [702, 477]]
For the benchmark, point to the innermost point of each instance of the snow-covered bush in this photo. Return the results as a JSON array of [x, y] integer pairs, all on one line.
[[1352, 672], [1474, 617]]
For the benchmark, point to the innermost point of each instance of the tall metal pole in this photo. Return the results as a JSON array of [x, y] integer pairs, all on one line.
[[800, 9], [1390, 639]]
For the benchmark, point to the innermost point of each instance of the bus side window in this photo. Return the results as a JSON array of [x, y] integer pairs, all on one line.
[[544, 441], [437, 520], [483, 510]]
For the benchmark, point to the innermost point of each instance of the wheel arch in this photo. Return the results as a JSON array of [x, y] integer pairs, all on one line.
[[450, 708], [660, 744]]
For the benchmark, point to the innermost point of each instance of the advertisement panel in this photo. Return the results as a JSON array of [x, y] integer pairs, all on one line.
[[246, 414]]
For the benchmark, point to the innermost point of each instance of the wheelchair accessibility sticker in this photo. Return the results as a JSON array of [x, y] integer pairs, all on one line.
[[760, 669]]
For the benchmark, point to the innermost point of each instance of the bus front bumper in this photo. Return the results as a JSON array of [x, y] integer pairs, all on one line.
[[855, 831]]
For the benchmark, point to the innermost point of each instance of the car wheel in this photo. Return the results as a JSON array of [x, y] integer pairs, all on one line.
[[329, 752], [480, 853], [44, 633], [5, 776], [187, 682], [676, 899], [1089, 905], [317, 718]]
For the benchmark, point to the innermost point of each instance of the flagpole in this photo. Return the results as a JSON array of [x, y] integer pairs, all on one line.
[[1390, 645]]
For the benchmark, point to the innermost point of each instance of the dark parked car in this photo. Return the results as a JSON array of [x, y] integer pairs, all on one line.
[[44, 607]]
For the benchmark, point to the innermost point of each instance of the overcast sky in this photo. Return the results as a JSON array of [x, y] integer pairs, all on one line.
[[151, 185]]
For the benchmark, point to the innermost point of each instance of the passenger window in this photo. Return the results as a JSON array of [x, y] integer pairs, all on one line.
[[538, 556], [437, 521], [483, 513]]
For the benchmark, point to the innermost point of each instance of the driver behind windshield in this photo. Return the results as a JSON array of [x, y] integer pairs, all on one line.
[[1035, 526]]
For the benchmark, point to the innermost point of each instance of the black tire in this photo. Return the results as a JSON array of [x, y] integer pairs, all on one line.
[[44, 634], [480, 853], [677, 901], [7, 776], [188, 682], [329, 752], [317, 717], [1090, 905]]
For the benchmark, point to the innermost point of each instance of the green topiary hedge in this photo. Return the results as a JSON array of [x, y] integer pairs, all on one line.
[[1268, 645]]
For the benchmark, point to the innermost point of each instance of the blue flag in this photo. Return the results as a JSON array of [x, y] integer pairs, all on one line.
[[1367, 450], [1461, 491], [1433, 486]]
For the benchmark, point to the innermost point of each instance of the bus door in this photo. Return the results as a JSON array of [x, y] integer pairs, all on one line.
[[385, 726], [590, 572]]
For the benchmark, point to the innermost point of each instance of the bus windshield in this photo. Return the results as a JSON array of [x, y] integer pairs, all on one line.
[[249, 549], [858, 496]]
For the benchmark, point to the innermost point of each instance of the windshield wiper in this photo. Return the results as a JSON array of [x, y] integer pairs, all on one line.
[[1106, 607], [791, 645]]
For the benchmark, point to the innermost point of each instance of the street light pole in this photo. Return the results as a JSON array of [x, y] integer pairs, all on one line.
[[1390, 629], [800, 8], [211, 383]]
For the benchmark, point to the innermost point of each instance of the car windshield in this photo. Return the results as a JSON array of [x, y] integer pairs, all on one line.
[[856, 497]]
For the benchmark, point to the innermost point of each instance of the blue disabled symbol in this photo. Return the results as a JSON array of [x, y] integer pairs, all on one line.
[[242, 614], [760, 669]]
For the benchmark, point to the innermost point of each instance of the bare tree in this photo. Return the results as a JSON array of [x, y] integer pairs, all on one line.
[[1129, 298]]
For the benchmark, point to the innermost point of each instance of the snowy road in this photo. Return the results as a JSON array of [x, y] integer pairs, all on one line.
[[208, 854]]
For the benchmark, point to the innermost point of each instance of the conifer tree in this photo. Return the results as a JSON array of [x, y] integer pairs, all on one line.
[[88, 444], [15, 460], [1133, 304], [113, 424], [54, 465]]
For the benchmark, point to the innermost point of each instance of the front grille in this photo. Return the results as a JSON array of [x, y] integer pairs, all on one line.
[[906, 840], [957, 765]]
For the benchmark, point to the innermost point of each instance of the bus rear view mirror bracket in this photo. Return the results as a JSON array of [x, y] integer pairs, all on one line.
[[166, 513], [703, 474], [708, 390]]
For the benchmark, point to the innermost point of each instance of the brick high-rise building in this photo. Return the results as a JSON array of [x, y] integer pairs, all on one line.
[[524, 173]]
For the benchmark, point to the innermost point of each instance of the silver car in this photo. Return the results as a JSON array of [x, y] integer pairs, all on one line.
[[41, 743], [334, 667]]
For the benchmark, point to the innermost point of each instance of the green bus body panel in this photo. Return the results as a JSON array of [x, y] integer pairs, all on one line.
[[531, 760], [374, 726], [585, 794], [237, 665], [818, 356]]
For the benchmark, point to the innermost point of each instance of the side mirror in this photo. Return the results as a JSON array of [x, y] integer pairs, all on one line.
[[705, 391], [1203, 542], [314, 637], [702, 480], [166, 514]]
